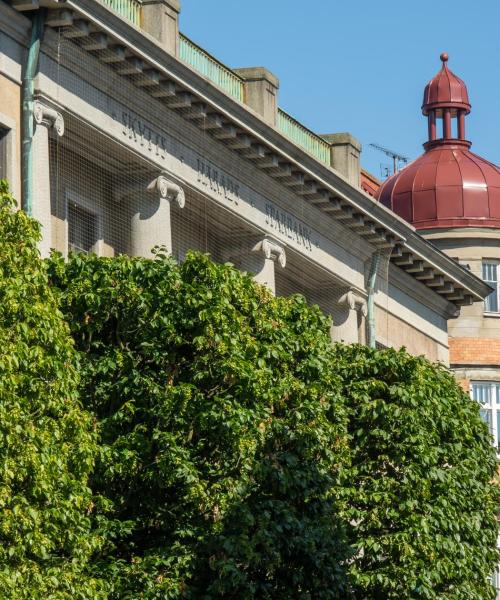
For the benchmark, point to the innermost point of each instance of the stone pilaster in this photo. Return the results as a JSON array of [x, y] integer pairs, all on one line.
[[259, 260], [45, 118], [151, 221], [160, 18], [262, 261], [348, 323]]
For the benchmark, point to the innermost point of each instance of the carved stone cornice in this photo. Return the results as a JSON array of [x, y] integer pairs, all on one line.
[[354, 302], [346, 204], [167, 190], [271, 249], [44, 115]]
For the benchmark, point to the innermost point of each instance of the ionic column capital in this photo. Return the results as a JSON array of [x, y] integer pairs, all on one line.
[[167, 190], [271, 249], [50, 118], [353, 301]]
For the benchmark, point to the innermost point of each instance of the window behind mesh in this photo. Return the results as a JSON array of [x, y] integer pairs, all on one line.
[[82, 229]]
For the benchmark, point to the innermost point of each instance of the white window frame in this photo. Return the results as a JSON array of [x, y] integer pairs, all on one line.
[[495, 578], [487, 394], [493, 265], [491, 401], [84, 205]]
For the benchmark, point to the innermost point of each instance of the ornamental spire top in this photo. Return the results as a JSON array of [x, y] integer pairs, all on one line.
[[446, 99]]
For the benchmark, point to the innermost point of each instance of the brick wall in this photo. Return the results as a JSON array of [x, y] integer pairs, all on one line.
[[464, 384], [474, 351]]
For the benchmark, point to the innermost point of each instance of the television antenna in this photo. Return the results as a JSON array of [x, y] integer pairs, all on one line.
[[396, 157]]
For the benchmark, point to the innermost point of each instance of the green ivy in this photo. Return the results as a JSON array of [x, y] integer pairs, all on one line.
[[223, 436], [47, 443], [421, 495]]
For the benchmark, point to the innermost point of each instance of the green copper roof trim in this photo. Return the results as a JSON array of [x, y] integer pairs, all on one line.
[[231, 83], [303, 137], [211, 68], [128, 9]]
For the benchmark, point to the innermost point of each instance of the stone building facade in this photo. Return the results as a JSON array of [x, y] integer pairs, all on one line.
[[452, 196], [141, 138]]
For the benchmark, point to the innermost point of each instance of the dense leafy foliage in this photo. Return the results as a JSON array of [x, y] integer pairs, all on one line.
[[422, 499], [224, 470], [46, 440], [239, 455], [222, 432]]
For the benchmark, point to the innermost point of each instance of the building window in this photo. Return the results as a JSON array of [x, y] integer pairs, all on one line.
[[490, 276], [4, 133], [82, 229], [488, 396], [495, 580]]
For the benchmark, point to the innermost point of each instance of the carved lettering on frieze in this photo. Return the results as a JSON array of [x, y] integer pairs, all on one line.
[[141, 133], [289, 226], [217, 181], [137, 132]]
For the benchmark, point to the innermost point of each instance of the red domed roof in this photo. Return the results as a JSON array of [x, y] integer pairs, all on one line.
[[448, 186], [445, 90]]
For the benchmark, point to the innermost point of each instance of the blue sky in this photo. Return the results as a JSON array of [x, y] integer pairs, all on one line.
[[361, 65]]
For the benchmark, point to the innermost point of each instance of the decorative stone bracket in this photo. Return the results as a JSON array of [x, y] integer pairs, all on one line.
[[272, 250], [167, 190], [44, 115], [354, 302]]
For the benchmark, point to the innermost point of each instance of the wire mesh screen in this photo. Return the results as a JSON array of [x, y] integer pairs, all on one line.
[[99, 183], [100, 186], [105, 181], [318, 288], [83, 183], [384, 324]]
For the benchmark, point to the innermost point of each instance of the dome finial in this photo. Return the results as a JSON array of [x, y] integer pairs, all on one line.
[[445, 99]]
